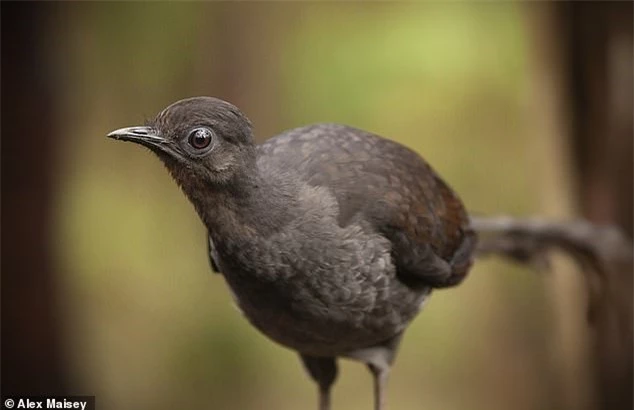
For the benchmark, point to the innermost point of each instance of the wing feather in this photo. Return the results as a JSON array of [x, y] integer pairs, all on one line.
[[390, 187]]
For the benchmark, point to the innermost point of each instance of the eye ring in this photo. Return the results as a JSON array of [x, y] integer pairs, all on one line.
[[200, 138]]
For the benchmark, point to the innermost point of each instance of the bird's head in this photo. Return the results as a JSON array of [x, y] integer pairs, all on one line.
[[200, 139]]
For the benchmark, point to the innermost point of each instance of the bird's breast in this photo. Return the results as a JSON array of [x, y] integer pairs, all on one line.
[[319, 296]]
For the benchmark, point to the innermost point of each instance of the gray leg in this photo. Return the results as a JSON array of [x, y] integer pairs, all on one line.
[[379, 374], [323, 370], [379, 359]]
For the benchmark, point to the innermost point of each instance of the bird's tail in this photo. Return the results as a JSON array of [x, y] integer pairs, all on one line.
[[599, 250]]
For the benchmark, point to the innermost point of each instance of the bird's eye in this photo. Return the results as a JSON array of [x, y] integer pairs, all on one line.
[[200, 138]]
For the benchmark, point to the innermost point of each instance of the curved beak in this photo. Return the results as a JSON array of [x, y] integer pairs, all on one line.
[[147, 136]]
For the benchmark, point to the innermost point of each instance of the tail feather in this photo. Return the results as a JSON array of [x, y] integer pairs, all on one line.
[[599, 250]]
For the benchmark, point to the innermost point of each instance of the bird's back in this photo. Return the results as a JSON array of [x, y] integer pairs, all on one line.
[[384, 184]]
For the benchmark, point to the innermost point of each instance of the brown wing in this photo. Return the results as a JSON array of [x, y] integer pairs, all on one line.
[[387, 185]]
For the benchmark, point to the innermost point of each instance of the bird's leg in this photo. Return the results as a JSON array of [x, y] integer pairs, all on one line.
[[323, 370], [379, 360], [379, 375], [324, 398]]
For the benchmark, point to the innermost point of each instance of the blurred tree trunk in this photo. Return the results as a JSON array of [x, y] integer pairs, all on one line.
[[32, 359], [598, 66], [245, 57], [584, 53]]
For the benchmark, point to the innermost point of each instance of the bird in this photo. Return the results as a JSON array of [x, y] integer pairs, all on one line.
[[330, 238]]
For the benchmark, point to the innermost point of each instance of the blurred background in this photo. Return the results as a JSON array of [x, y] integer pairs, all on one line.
[[525, 109]]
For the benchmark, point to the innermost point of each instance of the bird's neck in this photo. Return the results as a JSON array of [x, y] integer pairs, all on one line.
[[249, 206]]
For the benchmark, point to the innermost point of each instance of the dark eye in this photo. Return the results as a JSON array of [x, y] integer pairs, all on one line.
[[200, 138]]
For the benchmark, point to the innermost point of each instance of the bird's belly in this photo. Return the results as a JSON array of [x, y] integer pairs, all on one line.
[[309, 325]]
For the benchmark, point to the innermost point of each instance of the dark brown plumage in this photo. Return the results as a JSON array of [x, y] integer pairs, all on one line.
[[330, 238]]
